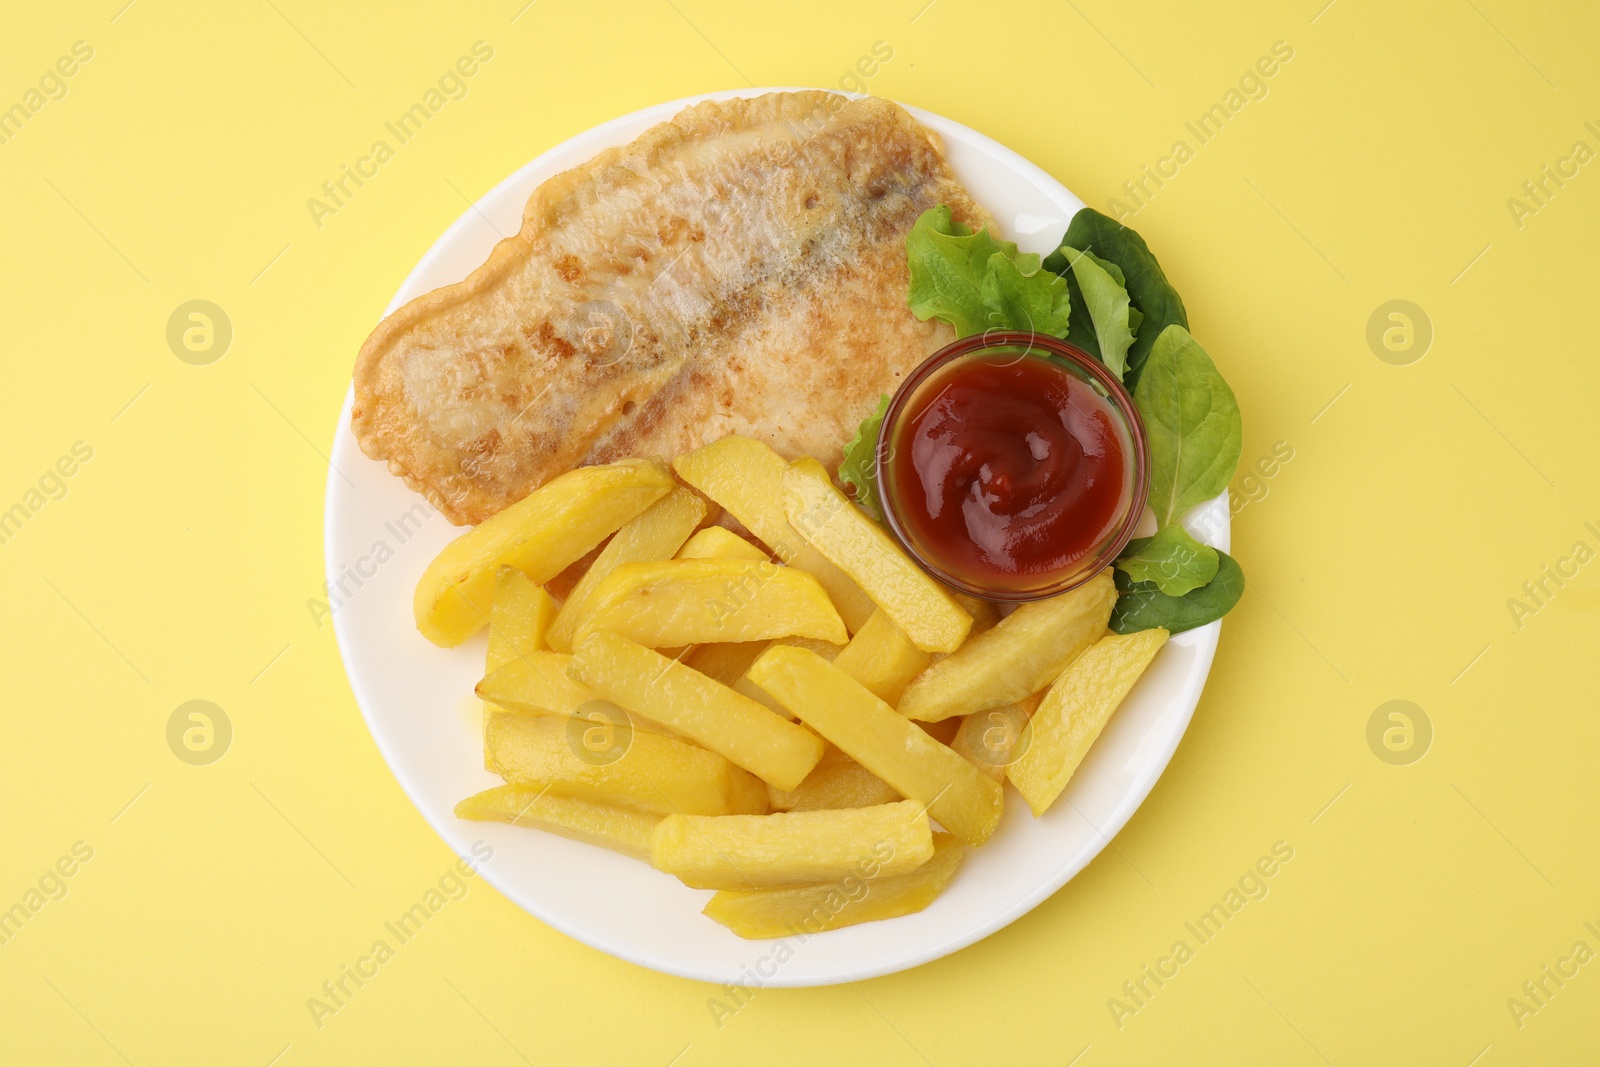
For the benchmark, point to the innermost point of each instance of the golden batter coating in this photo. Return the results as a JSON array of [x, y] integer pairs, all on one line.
[[739, 269]]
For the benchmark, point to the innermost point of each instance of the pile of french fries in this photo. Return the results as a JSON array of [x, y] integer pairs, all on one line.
[[782, 718]]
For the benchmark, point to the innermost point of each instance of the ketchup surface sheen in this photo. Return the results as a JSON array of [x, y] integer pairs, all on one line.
[[1009, 469]]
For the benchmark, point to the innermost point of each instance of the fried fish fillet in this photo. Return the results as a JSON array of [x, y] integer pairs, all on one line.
[[739, 269]]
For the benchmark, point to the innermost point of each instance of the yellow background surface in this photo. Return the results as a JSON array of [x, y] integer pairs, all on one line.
[[1381, 557]]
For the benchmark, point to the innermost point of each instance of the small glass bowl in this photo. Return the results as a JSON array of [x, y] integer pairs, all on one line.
[[1022, 346]]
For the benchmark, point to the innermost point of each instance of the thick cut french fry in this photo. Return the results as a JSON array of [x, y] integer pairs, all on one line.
[[860, 897], [689, 601], [609, 762], [520, 618], [540, 535], [746, 688], [725, 661], [826, 649], [655, 534], [1076, 709], [984, 613], [881, 657], [540, 683], [537, 682], [719, 542], [750, 689], [619, 829], [836, 782], [994, 739], [841, 709], [785, 849], [861, 548], [562, 585], [652, 686], [746, 478], [1021, 655]]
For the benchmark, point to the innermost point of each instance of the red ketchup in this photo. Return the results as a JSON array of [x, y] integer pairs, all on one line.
[[1008, 472]]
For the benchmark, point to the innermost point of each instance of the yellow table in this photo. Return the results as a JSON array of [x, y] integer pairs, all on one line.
[[1421, 528]]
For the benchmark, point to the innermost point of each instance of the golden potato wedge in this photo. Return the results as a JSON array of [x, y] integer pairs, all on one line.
[[993, 739], [746, 478], [1075, 710], [562, 585], [690, 601], [718, 542], [826, 649], [604, 760], [1021, 655], [725, 661], [791, 848], [540, 535], [540, 683], [537, 682], [750, 689], [619, 829], [519, 619], [841, 709], [761, 914], [652, 686], [837, 782], [984, 613], [881, 657], [655, 534], [861, 548]]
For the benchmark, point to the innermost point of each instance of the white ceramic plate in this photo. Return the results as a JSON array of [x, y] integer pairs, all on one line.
[[418, 702]]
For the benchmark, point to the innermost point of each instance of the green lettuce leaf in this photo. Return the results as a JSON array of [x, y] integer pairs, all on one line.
[[1192, 421], [1172, 561], [1016, 301], [859, 471], [1148, 289], [975, 282], [1142, 605], [1105, 296]]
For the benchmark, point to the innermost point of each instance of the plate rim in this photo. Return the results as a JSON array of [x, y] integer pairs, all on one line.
[[1205, 642]]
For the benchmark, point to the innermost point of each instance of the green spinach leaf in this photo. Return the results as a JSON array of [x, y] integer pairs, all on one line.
[[1142, 605], [1148, 289], [1104, 294], [1192, 421], [1172, 561]]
